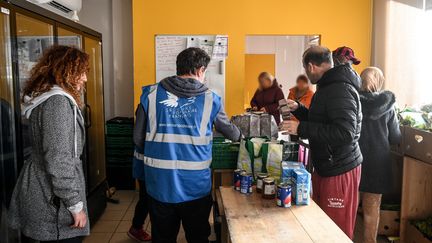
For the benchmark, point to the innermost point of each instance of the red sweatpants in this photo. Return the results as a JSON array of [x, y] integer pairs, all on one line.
[[338, 197]]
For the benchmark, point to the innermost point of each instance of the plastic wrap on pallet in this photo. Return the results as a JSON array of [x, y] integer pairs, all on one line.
[[248, 123]]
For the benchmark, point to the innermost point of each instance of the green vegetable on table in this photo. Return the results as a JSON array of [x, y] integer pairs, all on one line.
[[427, 108], [420, 119]]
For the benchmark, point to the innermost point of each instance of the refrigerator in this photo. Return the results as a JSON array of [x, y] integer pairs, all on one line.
[[26, 31]]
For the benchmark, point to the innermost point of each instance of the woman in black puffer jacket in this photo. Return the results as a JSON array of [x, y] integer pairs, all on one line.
[[380, 129]]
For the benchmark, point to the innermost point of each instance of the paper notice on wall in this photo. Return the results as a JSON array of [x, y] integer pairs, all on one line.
[[192, 42], [203, 42], [215, 77], [167, 49], [220, 47], [207, 46]]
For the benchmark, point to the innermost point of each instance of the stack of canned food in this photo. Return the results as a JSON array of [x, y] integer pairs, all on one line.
[[265, 185]]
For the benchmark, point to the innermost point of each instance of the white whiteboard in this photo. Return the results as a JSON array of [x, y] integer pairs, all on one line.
[[169, 46]]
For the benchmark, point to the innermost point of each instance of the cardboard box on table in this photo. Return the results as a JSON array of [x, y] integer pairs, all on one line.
[[389, 223]]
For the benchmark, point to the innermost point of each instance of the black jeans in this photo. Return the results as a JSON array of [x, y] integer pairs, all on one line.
[[78, 239], [70, 240], [193, 215], [141, 208]]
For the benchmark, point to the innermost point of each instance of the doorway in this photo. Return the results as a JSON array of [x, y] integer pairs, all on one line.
[[281, 55]]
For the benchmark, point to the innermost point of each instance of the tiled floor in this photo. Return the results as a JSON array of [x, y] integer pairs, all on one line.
[[115, 222]]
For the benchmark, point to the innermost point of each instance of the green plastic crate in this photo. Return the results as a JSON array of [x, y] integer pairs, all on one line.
[[120, 152], [120, 126], [119, 130], [123, 161], [225, 155], [119, 142]]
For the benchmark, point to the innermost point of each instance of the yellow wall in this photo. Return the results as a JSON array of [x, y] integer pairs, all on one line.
[[254, 65], [339, 22]]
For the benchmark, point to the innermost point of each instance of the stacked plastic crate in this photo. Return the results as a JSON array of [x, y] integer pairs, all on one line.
[[225, 154], [119, 152]]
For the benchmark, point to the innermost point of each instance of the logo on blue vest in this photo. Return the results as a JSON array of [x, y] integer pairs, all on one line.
[[178, 108], [173, 101]]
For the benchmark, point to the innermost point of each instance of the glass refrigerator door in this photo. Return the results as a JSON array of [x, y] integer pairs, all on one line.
[[69, 38], [33, 37], [96, 120], [8, 159]]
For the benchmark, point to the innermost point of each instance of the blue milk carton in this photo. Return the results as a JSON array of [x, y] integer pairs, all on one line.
[[287, 169], [301, 187]]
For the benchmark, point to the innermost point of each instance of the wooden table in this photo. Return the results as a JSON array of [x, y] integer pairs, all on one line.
[[249, 218]]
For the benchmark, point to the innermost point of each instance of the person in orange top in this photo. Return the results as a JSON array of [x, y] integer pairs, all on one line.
[[301, 92]]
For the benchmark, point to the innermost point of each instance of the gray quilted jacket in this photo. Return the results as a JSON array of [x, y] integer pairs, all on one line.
[[54, 169]]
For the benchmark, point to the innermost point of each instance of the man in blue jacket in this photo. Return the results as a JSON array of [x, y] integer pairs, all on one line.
[[173, 128]]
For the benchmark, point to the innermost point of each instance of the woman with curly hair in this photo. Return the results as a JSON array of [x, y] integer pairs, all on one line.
[[49, 200]]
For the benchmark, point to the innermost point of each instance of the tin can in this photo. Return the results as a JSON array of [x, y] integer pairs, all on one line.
[[283, 198], [246, 183], [259, 181], [269, 191], [237, 179]]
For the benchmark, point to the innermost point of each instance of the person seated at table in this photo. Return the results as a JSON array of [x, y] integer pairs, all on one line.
[[301, 92], [267, 96]]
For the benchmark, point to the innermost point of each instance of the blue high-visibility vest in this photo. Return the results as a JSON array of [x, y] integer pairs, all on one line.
[[178, 147], [138, 164]]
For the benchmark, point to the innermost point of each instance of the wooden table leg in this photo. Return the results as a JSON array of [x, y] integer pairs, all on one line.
[[225, 238], [224, 231]]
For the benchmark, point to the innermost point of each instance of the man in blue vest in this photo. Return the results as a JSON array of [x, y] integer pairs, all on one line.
[[174, 130]]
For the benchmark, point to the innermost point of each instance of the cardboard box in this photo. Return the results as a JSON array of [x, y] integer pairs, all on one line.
[[301, 187], [413, 235], [287, 170], [418, 144], [389, 223]]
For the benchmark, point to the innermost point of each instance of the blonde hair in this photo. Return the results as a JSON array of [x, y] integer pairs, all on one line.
[[372, 79], [265, 75]]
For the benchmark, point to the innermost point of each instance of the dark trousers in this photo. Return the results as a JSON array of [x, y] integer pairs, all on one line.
[[141, 208], [193, 215], [70, 240]]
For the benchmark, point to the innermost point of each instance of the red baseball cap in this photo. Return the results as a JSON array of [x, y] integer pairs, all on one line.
[[347, 53]]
